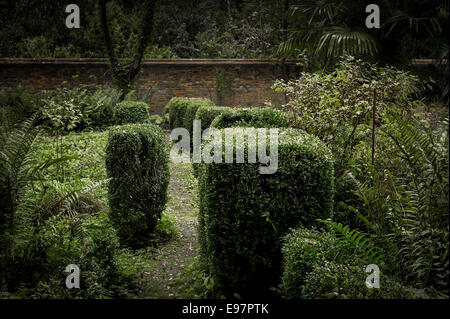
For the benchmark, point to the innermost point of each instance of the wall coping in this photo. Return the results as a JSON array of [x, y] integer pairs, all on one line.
[[103, 61], [181, 62]]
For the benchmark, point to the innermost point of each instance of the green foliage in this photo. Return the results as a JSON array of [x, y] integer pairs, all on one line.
[[156, 119], [339, 108], [250, 117], [19, 168], [244, 214], [302, 250], [322, 104], [182, 111], [191, 110], [104, 100], [66, 109], [357, 240], [207, 114], [104, 270], [421, 224], [347, 281], [325, 30], [16, 104], [320, 265], [403, 200], [137, 161], [131, 112]]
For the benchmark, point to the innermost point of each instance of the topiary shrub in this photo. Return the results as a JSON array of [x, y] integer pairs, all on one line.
[[251, 117], [137, 162], [131, 112], [243, 214], [182, 111]]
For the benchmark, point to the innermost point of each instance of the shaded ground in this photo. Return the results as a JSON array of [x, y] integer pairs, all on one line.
[[165, 268]]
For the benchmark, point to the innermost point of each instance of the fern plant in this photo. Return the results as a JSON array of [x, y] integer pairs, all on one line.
[[18, 168], [358, 240], [423, 225], [406, 204]]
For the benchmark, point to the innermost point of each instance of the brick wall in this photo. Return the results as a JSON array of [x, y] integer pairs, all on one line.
[[226, 82]]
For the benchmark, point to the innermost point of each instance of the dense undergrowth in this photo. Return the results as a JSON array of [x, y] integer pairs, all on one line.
[[387, 172]]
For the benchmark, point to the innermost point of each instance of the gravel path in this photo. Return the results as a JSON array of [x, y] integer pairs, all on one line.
[[166, 265]]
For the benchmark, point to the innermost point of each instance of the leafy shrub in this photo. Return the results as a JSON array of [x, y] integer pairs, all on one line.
[[221, 117], [182, 111], [156, 119], [347, 281], [302, 250], [104, 100], [244, 214], [337, 107], [95, 249], [251, 117], [67, 109], [137, 162], [131, 112], [16, 104], [320, 265]]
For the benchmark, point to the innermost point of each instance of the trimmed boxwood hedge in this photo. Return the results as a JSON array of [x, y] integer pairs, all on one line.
[[251, 117], [243, 215], [137, 163], [182, 111], [131, 112]]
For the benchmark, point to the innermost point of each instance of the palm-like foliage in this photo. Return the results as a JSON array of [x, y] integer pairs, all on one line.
[[330, 28], [326, 33]]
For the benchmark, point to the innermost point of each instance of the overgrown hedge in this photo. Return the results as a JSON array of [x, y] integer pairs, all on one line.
[[243, 215], [137, 162], [131, 112], [182, 111], [251, 117]]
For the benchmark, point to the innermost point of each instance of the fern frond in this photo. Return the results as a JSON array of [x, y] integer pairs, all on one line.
[[358, 240]]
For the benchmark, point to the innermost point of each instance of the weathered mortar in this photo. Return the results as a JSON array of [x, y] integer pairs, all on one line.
[[226, 82]]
